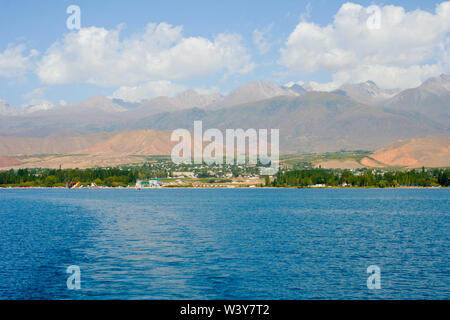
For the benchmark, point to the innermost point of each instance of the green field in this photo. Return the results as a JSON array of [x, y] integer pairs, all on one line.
[[308, 160]]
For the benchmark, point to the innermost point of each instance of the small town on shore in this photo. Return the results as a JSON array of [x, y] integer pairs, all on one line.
[[163, 173]]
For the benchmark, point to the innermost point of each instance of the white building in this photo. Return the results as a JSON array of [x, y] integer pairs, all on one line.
[[154, 183]]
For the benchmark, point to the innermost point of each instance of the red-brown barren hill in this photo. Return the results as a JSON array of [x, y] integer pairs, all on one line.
[[413, 153]]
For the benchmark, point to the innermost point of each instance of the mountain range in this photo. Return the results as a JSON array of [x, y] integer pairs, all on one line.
[[353, 117], [431, 99], [367, 92]]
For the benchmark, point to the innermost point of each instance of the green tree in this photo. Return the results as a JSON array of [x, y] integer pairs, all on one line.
[[50, 181]]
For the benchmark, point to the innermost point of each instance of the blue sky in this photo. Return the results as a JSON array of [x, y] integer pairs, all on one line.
[[34, 72]]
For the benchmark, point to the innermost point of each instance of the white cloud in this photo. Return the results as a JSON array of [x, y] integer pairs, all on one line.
[[39, 107], [99, 56], [260, 39], [307, 14], [35, 96], [15, 62], [315, 86], [35, 100], [407, 48], [208, 91], [388, 76], [148, 90]]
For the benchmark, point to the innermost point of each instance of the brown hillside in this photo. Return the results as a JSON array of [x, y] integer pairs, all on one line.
[[414, 153], [8, 162], [127, 147], [56, 144], [139, 142]]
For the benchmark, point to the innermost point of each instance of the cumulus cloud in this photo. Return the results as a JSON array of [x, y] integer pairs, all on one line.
[[99, 56], [407, 48], [148, 90], [15, 61]]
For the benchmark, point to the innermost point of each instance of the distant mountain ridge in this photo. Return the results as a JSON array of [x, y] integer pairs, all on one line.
[[313, 122], [250, 92], [309, 121], [254, 91], [185, 100], [431, 99], [367, 92]]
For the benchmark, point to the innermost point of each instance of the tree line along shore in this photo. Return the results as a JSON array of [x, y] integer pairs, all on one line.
[[128, 176]]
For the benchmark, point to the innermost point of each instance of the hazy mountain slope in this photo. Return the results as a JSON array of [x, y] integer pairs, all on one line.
[[57, 144], [367, 92], [185, 100], [297, 88], [315, 121], [249, 92], [432, 99], [191, 99], [94, 104], [154, 106], [95, 114], [139, 142], [126, 104], [312, 121], [254, 91], [414, 153], [165, 121], [322, 122]]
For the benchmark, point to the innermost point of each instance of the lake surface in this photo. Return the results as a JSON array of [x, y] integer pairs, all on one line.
[[225, 244]]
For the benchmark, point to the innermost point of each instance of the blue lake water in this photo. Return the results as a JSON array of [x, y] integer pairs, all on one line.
[[225, 244]]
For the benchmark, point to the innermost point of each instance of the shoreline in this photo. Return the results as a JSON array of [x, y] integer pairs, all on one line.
[[218, 188]]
